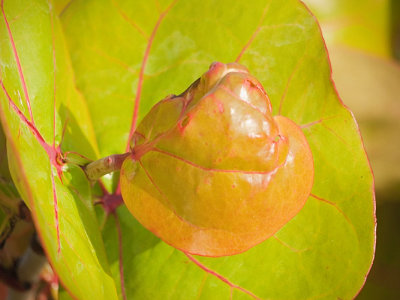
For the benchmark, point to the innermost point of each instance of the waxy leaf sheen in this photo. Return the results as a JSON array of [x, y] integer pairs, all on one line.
[[128, 52], [212, 172], [125, 52]]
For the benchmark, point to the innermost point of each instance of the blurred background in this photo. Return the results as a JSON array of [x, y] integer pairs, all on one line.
[[363, 40]]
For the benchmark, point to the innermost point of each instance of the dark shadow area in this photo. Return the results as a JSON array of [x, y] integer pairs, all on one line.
[[384, 279], [135, 238], [81, 193], [135, 241], [395, 28]]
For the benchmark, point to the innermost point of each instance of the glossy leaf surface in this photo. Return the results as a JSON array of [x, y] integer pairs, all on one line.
[[215, 152], [37, 98], [147, 50]]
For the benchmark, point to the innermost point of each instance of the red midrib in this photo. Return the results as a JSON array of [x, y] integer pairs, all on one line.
[[334, 205], [53, 184], [211, 169], [220, 277], [253, 36], [28, 123], [141, 74], [21, 75], [294, 71], [310, 124], [129, 20], [51, 150], [120, 253]]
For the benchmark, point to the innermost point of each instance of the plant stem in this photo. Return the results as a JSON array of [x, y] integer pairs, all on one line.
[[105, 165], [28, 271]]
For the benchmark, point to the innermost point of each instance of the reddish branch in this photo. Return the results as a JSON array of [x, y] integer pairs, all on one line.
[[22, 279], [105, 165]]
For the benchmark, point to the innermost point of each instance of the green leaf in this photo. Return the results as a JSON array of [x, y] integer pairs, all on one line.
[[37, 100], [147, 50], [211, 138]]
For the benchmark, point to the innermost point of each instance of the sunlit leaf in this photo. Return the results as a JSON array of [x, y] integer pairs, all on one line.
[[215, 152], [37, 100], [147, 50]]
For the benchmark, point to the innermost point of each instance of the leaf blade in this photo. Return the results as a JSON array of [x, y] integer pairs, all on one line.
[[287, 54], [71, 240]]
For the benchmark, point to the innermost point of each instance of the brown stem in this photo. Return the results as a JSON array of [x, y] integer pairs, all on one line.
[[27, 273], [103, 166]]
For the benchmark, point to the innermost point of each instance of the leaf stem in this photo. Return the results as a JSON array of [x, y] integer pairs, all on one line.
[[28, 271], [105, 165]]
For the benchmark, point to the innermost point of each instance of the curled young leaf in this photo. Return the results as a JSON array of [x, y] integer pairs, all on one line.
[[212, 172]]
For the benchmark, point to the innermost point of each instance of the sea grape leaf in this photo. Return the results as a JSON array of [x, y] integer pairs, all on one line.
[[149, 50], [213, 152], [37, 100]]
